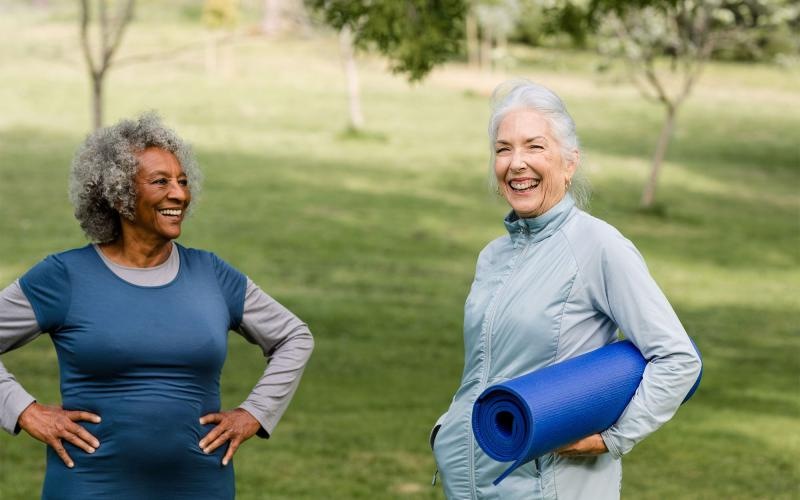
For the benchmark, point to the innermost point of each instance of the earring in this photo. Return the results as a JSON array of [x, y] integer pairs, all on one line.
[[568, 183]]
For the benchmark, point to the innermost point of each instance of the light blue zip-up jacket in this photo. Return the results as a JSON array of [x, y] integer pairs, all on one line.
[[557, 286]]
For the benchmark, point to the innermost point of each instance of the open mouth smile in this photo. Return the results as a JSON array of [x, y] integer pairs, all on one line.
[[523, 185], [171, 212]]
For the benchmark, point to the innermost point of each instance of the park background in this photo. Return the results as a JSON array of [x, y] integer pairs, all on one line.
[[370, 234]]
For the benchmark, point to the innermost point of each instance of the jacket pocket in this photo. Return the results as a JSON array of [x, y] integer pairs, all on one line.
[[435, 430]]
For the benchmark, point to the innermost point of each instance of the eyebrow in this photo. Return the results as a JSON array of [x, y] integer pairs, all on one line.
[[162, 173], [531, 139]]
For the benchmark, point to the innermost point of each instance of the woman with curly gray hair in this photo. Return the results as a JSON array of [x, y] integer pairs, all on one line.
[[140, 327]]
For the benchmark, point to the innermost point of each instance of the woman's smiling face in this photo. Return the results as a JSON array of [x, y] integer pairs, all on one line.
[[162, 195], [531, 172]]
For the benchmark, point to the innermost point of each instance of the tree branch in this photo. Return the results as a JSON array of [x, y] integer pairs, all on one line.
[[122, 22], [187, 47], [87, 52]]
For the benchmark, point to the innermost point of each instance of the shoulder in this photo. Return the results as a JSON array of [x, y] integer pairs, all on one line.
[[596, 244], [60, 262], [194, 257], [588, 232]]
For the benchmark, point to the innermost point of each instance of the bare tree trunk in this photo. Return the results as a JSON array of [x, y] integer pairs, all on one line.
[[486, 49], [271, 21], [353, 91], [110, 39], [502, 52], [649, 192], [473, 50], [97, 100]]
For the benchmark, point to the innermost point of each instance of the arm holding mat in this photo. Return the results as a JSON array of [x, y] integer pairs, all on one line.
[[628, 295]]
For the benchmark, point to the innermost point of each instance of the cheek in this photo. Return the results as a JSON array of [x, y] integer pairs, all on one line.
[[500, 170]]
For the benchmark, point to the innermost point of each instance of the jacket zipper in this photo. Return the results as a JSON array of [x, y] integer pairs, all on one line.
[[488, 338]]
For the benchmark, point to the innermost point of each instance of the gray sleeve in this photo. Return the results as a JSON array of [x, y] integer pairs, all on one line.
[[631, 298], [287, 345], [18, 326]]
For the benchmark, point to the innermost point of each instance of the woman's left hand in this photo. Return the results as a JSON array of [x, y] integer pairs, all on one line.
[[588, 446], [236, 426]]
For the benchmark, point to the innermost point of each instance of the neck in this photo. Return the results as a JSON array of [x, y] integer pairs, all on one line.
[[132, 250]]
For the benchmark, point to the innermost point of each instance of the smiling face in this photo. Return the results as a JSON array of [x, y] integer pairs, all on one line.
[[531, 173], [162, 196]]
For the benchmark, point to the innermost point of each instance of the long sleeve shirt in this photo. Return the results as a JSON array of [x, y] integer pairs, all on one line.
[[283, 338]]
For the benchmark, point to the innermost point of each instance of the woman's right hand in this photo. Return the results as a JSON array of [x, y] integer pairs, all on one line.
[[51, 424]]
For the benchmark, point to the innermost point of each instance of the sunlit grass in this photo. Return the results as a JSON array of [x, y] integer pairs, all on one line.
[[372, 240]]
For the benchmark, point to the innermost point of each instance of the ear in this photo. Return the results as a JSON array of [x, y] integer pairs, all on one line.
[[571, 165]]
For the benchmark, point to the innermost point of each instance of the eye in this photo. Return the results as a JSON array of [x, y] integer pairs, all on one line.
[[160, 181], [535, 147], [501, 149], [183, 182]]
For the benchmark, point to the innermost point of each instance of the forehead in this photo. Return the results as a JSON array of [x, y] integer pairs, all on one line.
[[152, 160], [523, 122]]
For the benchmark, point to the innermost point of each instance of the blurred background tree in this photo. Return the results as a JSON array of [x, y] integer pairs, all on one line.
[[665, 44], [220, 17], [99, 55], [415, 35]]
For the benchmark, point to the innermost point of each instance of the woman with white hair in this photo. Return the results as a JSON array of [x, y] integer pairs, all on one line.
[[140, 327], [559, 284]]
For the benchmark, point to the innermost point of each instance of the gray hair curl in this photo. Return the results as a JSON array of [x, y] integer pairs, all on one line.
[[524, 94], [101, 181]]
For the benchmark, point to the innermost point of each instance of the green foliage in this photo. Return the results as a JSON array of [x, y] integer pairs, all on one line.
[[415, 35], [220, 13]]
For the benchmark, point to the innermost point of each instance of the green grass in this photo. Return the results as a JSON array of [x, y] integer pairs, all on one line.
[[372, 238]]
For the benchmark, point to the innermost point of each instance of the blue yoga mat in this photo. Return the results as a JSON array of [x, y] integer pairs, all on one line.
[[534, 414]]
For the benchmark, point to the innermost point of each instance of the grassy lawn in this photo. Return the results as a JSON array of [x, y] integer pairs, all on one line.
[[373, 242]]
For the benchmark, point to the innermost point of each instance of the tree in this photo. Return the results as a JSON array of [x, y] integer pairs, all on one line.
[[665, 45], [496, 20], [415, 35], [219, 15], [110, 34]]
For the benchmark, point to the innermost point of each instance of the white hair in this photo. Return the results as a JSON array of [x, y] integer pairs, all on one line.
[[524, 94]]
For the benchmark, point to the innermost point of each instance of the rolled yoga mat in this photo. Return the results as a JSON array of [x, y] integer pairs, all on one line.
[[526, 417]]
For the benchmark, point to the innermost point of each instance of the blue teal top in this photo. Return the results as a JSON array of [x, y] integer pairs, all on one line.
[[148, 361], [554, 287]]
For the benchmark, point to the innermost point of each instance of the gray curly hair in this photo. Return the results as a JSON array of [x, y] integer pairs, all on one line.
[[521, 93], [101, 181]]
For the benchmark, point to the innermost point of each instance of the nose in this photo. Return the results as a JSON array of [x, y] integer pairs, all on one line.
[[517, 163], [177, 191]]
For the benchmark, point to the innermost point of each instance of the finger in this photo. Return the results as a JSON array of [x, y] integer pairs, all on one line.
[[86, 436], [62, 453], [219, 441], [83, 415], [231, 450], [212, 435], [80, 443], [211, 418]]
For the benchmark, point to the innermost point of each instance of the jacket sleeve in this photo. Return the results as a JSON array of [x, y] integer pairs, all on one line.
[[630, 297], [18, 326], [286, 343]]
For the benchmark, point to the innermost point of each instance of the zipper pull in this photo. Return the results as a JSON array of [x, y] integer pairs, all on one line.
[[435, 474]]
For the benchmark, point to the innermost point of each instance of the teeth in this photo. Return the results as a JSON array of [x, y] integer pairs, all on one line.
[[169, 211], [522, 185]]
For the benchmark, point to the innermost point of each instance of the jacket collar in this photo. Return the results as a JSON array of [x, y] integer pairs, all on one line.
[[538, 228]]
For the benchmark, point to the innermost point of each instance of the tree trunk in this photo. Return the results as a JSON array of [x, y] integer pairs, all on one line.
[[473, 50], [649, 193], [97, 99], [486, 49], [353, 91], [271, 21]]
